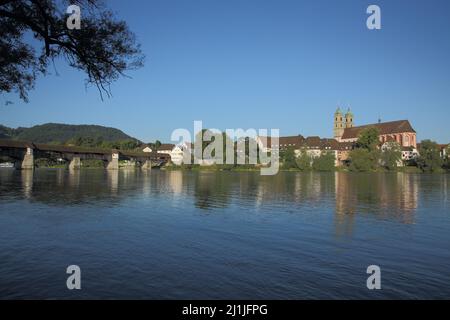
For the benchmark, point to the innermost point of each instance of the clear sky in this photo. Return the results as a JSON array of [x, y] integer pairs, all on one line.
[[263, 64]]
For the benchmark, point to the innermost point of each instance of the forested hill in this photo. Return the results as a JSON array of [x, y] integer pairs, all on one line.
[[64, 133]]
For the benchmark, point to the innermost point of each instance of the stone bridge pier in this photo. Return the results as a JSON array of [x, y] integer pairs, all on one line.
[[113, 163], [75, 163], [27, 163], [146, 165]]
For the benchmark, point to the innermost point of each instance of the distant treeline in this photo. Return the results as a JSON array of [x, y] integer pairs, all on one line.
[[77, 135]]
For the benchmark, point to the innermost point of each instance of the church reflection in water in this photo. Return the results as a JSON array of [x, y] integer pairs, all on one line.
[[391, 196]]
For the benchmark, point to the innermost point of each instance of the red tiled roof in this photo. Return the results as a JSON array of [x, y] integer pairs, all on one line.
[[314, 142], [283, 142], [384, 128]]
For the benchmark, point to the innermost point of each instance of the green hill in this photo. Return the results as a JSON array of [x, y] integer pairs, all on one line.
[[63, 133]]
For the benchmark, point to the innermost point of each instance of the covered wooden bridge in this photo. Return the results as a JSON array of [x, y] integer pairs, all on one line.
[[23, 153]]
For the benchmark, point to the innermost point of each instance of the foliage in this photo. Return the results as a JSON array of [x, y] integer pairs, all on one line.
[[104, 48], [429, 159], [288, 158], [365, 156], [55, 132], [92, 163], [390, 156], [128, 144], [368, 139], [325, 162], [304, 161], [48, 163], [362, 159]]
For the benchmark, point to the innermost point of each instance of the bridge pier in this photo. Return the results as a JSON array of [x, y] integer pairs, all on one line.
[[75, 163], [113, 164], [147, 165], [27, 163]]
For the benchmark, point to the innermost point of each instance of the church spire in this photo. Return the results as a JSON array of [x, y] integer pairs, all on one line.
[[338, 127], [349, 119]]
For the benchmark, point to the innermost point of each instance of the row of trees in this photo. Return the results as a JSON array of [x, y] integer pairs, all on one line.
[[127, 144], [305, 162]]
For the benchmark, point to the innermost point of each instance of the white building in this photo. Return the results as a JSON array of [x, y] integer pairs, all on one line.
[[177, 154]]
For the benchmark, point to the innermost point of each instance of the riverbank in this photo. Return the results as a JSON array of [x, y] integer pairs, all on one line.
[[251, 168]]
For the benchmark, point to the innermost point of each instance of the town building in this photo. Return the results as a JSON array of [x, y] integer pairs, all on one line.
[[345, 136], [314, 146]]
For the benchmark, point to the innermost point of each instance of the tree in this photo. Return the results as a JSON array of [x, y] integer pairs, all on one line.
[[304, 161], [288, 158], [360, 160], [157, 144], [429, 159], [325, 162], [391, 155], [366, 155], [368, 139], [104, 48]]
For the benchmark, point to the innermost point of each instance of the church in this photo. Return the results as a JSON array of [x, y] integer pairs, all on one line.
[[399, 131], [345, 135]]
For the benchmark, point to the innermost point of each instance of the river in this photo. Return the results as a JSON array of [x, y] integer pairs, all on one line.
[[223, 235]]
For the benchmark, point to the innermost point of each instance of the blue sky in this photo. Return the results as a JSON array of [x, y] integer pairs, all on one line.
[[263, 64]]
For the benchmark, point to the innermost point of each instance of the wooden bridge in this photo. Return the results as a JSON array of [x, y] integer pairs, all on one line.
[[23, 153]]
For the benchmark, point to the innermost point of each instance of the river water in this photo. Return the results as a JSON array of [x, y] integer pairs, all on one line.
[[223, 235]]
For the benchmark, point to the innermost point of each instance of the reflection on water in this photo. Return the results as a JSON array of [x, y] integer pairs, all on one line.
[[352, 192], [300, 220], [385, 195]]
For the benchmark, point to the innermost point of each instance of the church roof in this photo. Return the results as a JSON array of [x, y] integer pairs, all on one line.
[[384, 128]]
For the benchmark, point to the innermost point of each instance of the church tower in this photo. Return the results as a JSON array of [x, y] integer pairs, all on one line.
[[349, 119], [338, 128]]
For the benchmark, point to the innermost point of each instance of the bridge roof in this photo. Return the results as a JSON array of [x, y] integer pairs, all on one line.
[[74, 149], [7, 143], [70, 149], [139, 154]]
